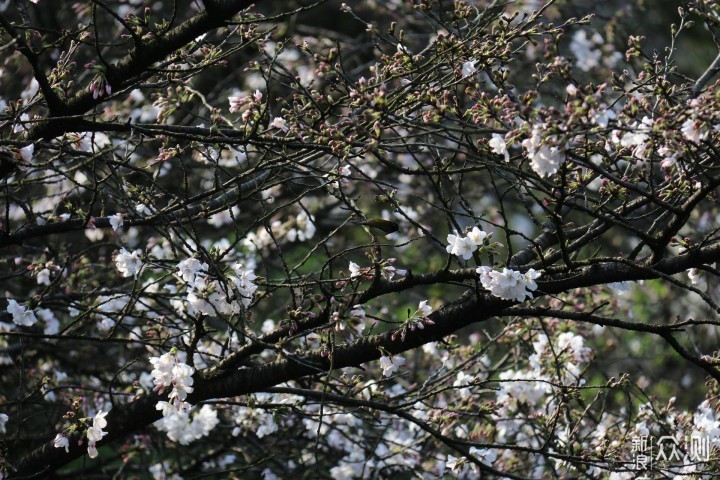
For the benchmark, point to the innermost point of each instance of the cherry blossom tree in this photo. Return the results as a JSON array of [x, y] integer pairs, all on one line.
[[402, 239]]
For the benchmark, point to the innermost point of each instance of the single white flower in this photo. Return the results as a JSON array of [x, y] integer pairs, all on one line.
[[463, 381], [695, 275], [99, 420], [43, 277], [279, 123], [95, 434], [390, 271], [530, 277], [354, 270], [468, 68], [498, 146], [389, 365], [424, 309], [191, 268], [143, 209], [116, 221], [477, 236], [61, 441], [455, 464], [461, 246]]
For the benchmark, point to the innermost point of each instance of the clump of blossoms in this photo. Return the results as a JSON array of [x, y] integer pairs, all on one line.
[[127, 263], [259, 421], [545, 152], [244, 281], [465, 246], [184, 429], [170, 373], [584, 49], [339, 177], [637, 139], [694, 131], [21, 314], [208, 296], [239, 104], [509, 284], [95, 433], [466, 468], [498, 146], [250, 106]]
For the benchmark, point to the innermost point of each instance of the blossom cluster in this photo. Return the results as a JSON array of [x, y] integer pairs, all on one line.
[[169, 372], [209, 296], [128, 263], [94, 434], [184, 429], [545, 152], [509, 284], [21, 314], [465, 246]]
